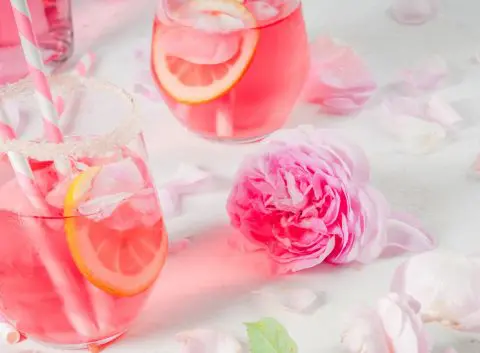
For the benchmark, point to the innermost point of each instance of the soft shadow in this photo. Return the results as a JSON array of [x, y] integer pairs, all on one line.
[[201, 281]]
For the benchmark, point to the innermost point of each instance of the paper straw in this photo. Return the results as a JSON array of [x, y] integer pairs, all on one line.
[[35, 65], [60, 279]]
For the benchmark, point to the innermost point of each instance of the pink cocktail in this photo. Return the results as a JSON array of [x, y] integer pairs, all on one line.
[[52, 24], [80, 273], [230, 70]]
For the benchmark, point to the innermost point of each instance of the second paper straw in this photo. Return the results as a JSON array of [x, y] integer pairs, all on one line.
[[60, 278]]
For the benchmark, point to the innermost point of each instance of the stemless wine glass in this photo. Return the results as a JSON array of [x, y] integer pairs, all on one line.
[[230, 70], [78, 270]]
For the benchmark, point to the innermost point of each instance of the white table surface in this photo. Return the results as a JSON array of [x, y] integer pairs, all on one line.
[[202, 287]]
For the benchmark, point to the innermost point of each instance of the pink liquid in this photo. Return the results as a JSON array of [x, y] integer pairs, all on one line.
[[53, 27], [28, 297], [261, 101]]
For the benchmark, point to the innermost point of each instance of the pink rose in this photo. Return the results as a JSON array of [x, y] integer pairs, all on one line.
[[306, 199]]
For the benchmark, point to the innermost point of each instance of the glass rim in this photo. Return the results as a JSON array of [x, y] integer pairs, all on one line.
[[124, 132]]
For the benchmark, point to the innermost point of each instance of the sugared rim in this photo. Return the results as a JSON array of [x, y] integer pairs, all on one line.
[[88, 146]]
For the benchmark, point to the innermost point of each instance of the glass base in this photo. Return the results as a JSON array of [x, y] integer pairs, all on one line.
[[233, 141], [81, 346]]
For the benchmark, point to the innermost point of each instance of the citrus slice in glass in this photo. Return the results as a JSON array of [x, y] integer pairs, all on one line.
[[122, 262], [191, 81]]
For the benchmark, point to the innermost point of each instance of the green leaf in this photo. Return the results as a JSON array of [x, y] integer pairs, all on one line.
[[269, 336]]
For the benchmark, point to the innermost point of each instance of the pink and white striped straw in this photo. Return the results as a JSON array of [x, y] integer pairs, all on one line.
[[35, 65], [26, 181]]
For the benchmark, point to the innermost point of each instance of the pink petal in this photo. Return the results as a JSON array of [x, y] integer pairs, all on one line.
[[296, 299], [208, 341], [339, 80], [450, 350], [178, 246], [414, 12], [441, 112], [416, 136], [215, 49], [427, 74], [170, 202], [402, 325], [147, 92], [366, 334], [405, 233], [139, 54], [446, 286], [398, 105]]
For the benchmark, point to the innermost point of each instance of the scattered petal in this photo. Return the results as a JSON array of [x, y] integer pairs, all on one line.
[[427, 74], [416, 135], [188, 179], [139, 54], [208, 341], [339, 80], [395, 326], [450, 350], [446, 286], [441, 112], [143, 90], [406, 233], [414, 12], [297, 299], [170, 202], [178, 246]]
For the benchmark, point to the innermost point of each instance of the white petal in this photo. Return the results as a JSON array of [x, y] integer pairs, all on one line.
[[444, 283], [416, 135], [208, 341], [441, 112]]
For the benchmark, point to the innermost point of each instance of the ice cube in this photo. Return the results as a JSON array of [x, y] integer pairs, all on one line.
[[147, 205], [217, 23], [103, 206], [118, 177], [199, 47], [56, 197], [262, 10]]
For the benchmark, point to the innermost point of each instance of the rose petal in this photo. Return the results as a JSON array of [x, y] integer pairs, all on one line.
[[405, 233], [365, 334], [416, 135], [143, 90], [445, 284], [402, 325], [427, 74], [450, 350], [169, 201], [414, 12], [178, 246], [208, 341], [339, 81], [441, 112], [297, 299]]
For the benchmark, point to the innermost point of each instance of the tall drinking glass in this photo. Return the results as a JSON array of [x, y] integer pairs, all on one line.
[[80, 270], [52, 24], [230, 70]]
